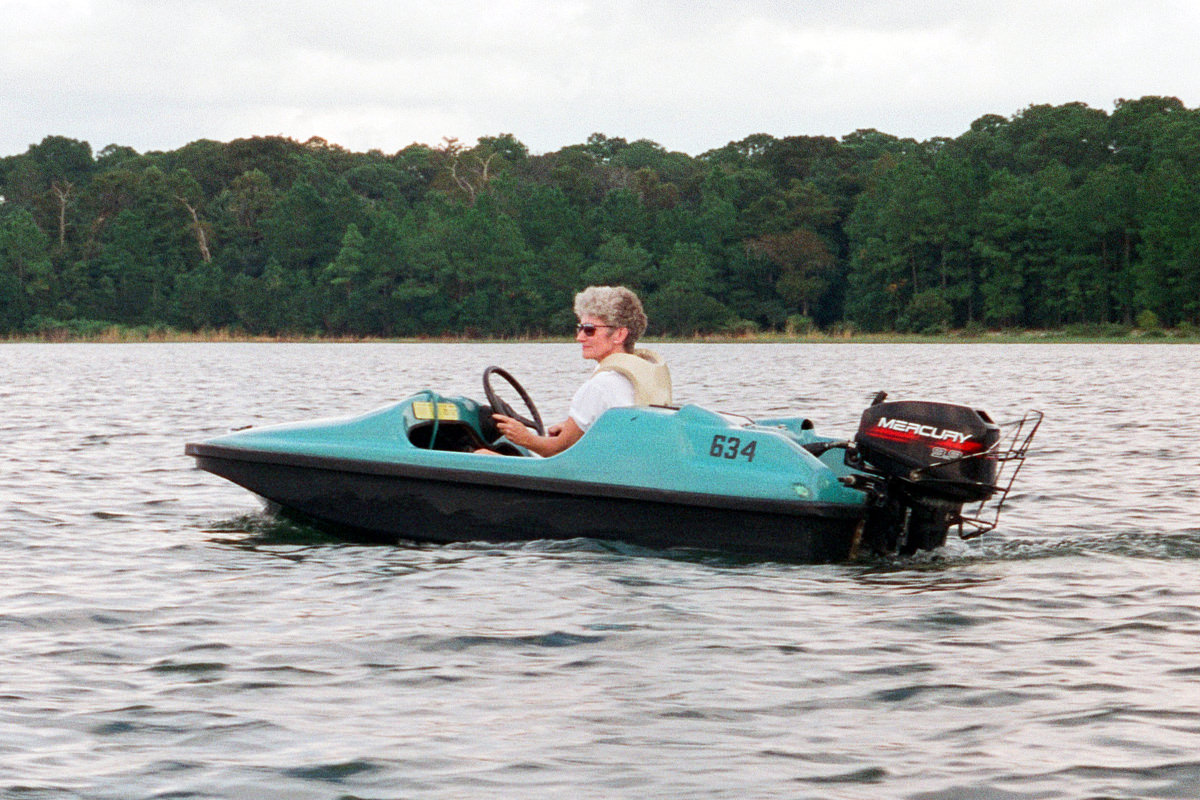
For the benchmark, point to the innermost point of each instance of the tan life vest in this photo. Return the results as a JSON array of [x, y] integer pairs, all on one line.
[[648, 373]]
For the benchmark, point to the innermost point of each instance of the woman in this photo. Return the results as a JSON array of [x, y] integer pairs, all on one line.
[[611, 320]]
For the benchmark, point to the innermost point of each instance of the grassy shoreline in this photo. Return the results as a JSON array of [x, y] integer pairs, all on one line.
[[123, 335]]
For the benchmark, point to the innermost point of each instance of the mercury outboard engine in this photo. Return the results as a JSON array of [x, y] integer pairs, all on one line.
[[923, 461]]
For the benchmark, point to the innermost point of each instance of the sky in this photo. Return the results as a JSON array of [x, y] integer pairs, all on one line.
[[691, 75]]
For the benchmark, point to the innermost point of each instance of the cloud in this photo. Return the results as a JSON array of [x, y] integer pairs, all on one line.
[[691, 75]]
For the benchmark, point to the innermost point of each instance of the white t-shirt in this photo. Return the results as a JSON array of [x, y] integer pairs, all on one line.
[[602, 391]]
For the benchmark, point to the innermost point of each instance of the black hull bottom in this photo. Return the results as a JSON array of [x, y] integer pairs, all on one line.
[[391, 508]]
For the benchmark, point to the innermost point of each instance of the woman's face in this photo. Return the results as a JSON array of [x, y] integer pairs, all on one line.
[[604, 342]]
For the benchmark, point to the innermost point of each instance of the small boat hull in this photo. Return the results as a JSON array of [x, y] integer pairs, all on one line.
[[650, 476], [397, 502]]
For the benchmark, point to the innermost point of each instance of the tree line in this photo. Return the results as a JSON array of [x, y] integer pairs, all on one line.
[[1056, 216]]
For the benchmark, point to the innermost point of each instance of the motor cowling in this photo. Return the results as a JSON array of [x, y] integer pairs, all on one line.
[[939, 450]]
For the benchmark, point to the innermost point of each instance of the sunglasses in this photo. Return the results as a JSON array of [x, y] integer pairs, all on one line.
[[589, 329]]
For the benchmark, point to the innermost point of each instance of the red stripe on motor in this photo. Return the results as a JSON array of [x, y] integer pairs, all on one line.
[[906, 436]]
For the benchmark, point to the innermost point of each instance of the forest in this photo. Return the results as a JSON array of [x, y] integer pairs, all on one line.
[[1058, 217]]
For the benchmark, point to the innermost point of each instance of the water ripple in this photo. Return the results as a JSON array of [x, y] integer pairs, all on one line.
[[164, 637]]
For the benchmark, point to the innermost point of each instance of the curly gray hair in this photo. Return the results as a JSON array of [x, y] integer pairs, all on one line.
[[616, 305]]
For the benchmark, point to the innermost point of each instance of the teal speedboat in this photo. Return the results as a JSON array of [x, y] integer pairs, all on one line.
[[655, 477]]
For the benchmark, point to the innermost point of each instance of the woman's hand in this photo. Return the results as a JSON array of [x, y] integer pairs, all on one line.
[[514, 431]]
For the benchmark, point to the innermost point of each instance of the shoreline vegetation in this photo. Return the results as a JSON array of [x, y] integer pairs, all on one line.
[[1079, 334], [1064, 222]]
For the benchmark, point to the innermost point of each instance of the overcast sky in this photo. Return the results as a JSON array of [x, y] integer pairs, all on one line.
[[692, 76]]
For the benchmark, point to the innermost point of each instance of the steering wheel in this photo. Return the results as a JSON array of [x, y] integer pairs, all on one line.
[[499, 406]]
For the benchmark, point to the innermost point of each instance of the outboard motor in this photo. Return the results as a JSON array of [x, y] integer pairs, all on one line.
[[941, 449], [925, 460]]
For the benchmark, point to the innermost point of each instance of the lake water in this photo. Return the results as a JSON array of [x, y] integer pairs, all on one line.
[[163, 638]]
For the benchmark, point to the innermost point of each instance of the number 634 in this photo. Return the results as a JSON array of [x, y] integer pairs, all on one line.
[[731, 447]]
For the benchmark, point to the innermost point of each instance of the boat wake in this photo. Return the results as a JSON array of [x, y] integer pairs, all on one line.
[[1169, 546]]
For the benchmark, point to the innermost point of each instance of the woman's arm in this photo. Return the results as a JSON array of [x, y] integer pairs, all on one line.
[[557, 439]]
